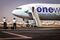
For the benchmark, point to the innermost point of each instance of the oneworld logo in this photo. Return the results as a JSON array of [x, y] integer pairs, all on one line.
[[48, 10]]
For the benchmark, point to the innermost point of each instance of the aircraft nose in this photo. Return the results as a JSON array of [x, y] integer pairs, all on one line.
[[19, 13], [14, 11]]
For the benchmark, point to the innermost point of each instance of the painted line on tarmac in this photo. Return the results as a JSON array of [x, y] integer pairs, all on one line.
[[22, 36]]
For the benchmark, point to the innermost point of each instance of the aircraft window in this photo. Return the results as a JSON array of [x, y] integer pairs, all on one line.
[[18, 8]]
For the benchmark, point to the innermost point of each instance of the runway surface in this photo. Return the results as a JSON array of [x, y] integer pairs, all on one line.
[[31, 34]]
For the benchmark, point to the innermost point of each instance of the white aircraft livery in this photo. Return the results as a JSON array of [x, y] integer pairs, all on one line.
[[45, 11]]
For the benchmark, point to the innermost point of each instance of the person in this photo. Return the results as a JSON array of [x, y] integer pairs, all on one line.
[[27, 24], [5, 24], [14, 23]]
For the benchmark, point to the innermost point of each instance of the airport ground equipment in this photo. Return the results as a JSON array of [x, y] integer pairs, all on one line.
[[36, 18]]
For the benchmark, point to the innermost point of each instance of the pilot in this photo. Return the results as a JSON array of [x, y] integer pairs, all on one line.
[[14, 23], [5, 24]]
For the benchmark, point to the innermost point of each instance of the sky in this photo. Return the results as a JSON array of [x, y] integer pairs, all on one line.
[[7, 6]]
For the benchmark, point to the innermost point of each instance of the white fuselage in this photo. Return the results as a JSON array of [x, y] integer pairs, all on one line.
[[45, 11]]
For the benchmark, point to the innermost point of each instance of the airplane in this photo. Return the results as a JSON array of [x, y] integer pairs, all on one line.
[[44, 10]]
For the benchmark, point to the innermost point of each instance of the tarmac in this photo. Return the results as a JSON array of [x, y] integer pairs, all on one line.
[[30, 34]]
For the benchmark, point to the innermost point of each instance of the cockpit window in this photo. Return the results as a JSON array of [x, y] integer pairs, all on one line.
[[18, 8], [26, 11]]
